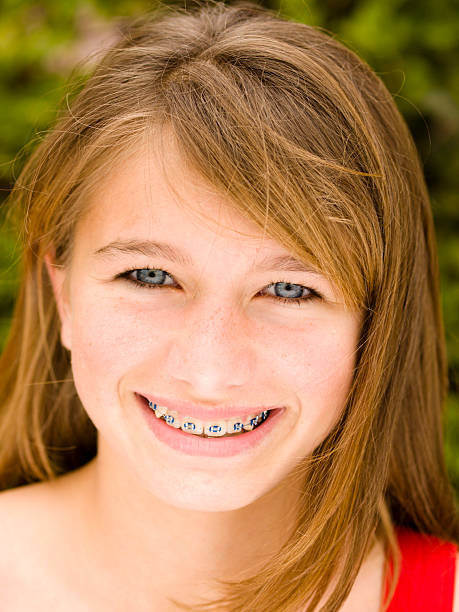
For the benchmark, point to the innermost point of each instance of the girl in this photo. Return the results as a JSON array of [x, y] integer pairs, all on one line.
[[226, 369]]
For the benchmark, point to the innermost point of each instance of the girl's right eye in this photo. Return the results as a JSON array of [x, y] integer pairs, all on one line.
[[148, 278]]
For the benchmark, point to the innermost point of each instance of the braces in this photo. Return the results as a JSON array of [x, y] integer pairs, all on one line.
[[254, 421]]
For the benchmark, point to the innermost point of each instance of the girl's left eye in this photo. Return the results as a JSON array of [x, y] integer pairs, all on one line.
[[152, 278]]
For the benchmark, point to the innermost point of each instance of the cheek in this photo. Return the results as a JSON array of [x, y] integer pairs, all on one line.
[[318, 368], [318, 359], [328, 365], [108, 339]]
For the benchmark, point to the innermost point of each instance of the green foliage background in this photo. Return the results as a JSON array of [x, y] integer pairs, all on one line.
[[412, 44]]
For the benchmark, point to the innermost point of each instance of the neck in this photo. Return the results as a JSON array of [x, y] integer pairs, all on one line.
[[153, 548]]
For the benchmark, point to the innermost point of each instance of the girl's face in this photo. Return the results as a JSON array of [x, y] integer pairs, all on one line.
[[202, 323]]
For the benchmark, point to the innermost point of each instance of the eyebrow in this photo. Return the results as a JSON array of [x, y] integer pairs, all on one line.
[[287, 263]]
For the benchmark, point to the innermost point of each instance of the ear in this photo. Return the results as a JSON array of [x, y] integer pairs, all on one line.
[[58, 278]]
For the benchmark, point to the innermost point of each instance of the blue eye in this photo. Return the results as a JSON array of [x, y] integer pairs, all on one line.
[[296, 293], [148, 277], [153, 278]]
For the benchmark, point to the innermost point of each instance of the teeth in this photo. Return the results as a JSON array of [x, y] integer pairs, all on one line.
[[217, 428]]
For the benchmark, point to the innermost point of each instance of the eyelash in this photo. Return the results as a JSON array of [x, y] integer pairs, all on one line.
[[300, 301]]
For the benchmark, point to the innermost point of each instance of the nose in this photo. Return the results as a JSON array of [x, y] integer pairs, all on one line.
[[212, 352]]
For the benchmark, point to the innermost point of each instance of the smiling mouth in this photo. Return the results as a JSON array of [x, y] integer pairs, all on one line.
[[220, 428]]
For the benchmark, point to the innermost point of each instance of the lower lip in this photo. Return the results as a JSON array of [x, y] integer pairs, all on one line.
[[190, 444]]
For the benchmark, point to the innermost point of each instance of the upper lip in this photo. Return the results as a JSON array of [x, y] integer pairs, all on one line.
[[200, 412]]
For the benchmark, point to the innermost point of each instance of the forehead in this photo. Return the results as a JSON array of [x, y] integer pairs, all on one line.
[[150, 196]]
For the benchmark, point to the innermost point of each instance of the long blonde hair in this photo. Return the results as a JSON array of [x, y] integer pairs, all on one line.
[[309, 145]]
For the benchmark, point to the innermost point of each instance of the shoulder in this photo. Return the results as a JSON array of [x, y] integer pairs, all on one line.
[[456, 586], [37, 526], [429, 571], [38, 512], [21, 509], [25, 516], [23, 535], [24, 509], [31, 505]]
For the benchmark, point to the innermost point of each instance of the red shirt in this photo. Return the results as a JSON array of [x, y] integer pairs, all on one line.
[[427, 572]]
